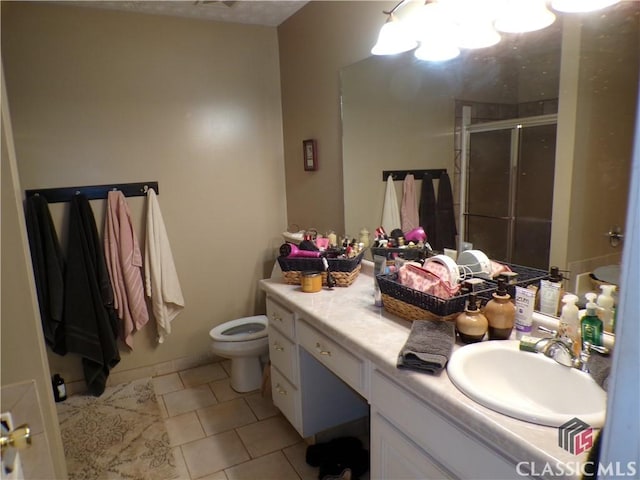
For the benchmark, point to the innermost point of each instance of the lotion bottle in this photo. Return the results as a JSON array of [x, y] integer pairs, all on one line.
[[570, 322], [591, 325], [471, 324], [605, 302], [551, 292], [500, 313]]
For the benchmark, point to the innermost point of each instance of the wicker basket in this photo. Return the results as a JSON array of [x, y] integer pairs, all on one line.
[[343, 270], [413, 304]]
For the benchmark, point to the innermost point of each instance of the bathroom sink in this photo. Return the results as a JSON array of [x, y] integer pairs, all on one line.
[[524, 385]]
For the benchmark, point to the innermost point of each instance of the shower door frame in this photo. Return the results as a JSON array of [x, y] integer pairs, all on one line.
[[515, 125]]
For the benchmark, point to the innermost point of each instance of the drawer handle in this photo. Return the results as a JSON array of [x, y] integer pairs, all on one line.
[[280, 390], [277, 347], [321, 351]]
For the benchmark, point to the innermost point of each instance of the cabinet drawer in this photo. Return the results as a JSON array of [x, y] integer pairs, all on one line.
[[282, 353], [348, 367], [280, 318], [444, 441], [287, 398]]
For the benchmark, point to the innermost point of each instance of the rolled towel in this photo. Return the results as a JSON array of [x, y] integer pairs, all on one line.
[[600, 368], [428, 347]]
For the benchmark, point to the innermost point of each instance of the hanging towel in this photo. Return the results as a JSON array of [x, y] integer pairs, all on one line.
[[445, 218], [390, 210], [428, 209], [409, 209], [48, 270], [89, 317], [124, 262], [161, 279]]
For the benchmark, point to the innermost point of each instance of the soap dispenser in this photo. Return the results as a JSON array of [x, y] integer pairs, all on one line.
[[551, 292], [500, 313], [570, 322], [471, 324], [605, 302], [591, 325]]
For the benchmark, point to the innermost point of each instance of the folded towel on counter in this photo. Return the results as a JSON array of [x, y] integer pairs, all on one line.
[[428, 347], [600, 368]]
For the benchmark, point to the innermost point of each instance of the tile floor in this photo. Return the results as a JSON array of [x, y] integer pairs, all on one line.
[[219, 434]]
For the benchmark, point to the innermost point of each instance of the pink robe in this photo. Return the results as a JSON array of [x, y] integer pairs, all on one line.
[[124, 262]]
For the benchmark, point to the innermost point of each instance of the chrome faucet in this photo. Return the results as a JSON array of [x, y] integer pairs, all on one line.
[[561, 350]]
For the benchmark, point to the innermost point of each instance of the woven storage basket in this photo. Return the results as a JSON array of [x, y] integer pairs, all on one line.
[[343, 270], [413, 304]]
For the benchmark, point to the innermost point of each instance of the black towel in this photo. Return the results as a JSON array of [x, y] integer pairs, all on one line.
[[427, 209], [89, 316], [445, 217], [429, 346], [48, 270]]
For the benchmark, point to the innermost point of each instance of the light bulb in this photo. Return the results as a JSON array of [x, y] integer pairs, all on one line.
[[393, 38], [519, 16], [477, 35], [436, 51]]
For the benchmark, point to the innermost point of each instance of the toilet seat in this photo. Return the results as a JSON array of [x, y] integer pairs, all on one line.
[[241, 329]]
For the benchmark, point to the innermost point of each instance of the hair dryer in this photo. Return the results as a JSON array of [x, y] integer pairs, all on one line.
[[290, 250]]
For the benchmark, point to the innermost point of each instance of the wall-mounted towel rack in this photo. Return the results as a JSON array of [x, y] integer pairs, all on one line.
[[93, 192], [417, 174]]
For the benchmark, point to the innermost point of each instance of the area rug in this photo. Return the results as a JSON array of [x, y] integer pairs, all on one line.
[[119, 435]]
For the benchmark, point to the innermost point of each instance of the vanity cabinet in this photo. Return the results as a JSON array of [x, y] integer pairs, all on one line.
[[410, 439], [316, 383]]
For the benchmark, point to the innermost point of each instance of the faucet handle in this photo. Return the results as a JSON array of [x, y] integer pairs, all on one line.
[[596, 348], [548, 330]]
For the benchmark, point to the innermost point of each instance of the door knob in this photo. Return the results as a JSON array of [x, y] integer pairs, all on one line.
[[19, 438]]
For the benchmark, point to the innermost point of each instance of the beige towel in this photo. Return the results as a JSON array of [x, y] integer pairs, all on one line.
[[161, 279], [124, 263], [409, 208]]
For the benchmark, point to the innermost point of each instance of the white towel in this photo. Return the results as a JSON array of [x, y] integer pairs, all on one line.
[[390, 210], [161, 279], [409, 208]]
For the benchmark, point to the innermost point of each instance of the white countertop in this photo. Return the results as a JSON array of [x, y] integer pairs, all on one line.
[[348, 316]]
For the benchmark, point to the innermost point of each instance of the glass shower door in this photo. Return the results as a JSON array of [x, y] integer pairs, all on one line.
[[509, 190]]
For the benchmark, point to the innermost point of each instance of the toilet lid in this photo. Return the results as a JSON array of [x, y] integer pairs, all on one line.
[[241, 329]]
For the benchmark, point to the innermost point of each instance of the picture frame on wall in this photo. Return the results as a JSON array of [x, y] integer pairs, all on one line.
[[310, 154]]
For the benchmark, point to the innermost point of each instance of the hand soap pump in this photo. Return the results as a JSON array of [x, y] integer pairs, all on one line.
[[591, 325], [605, 302], [570, 322], [551, 292], [500, 313], [471, 324]]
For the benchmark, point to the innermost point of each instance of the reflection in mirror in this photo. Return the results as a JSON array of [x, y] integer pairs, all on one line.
[[401, 113]]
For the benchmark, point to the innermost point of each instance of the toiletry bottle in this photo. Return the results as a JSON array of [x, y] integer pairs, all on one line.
[[570, 322], [471, 324], [551, 292], [605, 302], [500, 313], [591, 325], [59, 388]]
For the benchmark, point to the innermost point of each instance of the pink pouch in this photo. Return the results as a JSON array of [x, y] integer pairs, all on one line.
[[426, 281]]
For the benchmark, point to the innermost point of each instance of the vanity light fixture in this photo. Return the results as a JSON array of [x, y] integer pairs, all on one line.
[[442, 27], [520, 16], [574, 6], [393, 37]]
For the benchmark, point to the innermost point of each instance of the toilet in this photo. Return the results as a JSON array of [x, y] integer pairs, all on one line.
[[244, 341]]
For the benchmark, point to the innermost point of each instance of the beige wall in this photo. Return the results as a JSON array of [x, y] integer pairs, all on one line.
[[315, 44], [100, 96]]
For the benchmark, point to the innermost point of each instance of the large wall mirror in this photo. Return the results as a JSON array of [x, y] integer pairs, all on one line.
[[580, 75]]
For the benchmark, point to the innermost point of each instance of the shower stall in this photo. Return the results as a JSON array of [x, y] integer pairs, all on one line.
[[506, 188]]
